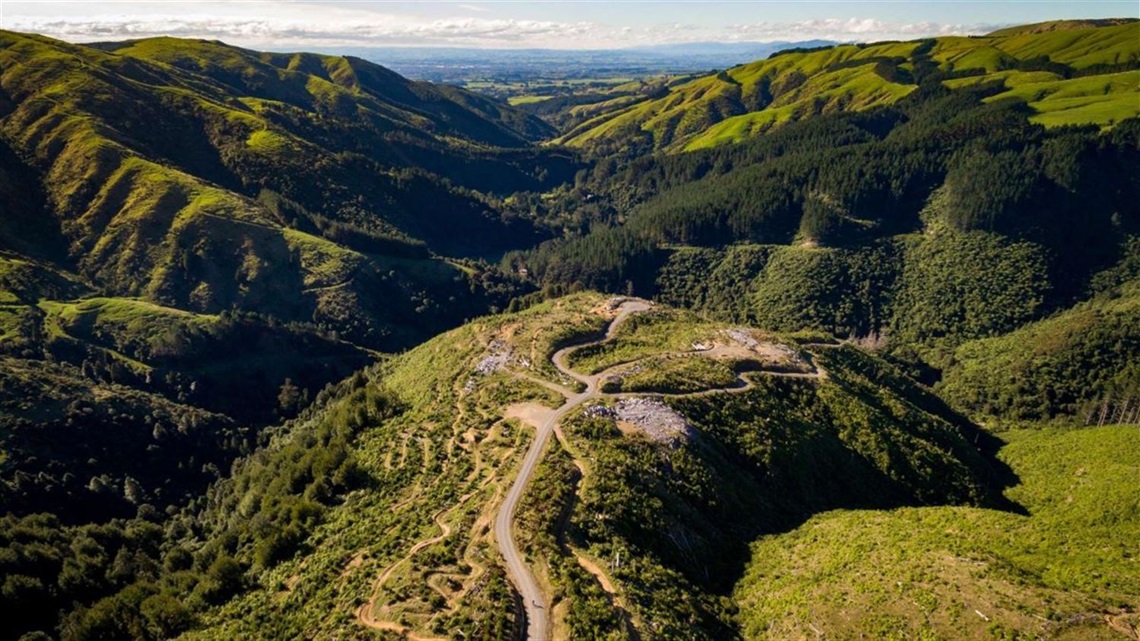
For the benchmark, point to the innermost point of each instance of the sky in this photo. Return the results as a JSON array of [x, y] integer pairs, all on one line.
[[326, 25]]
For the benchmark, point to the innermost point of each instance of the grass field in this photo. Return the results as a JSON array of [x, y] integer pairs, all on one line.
[[1102, 100]]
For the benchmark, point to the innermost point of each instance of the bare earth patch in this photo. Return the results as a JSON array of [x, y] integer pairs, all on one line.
[[532, 414]]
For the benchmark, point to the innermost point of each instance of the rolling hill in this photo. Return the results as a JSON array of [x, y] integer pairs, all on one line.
[[944, 218], [206, 177], [1074, 72], [148, 188]]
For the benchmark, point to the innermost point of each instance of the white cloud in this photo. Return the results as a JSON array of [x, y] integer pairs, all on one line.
[[301, 24], [852, 29], [374, 32]]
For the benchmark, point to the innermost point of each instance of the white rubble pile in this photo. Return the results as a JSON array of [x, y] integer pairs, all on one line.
[[498, 358], [775, 351], [600, 411], [743, 337], [657, 420]]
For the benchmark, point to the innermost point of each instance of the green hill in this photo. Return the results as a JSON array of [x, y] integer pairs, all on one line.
[[1080, 362], [187, 218], [375, 506], [256, 380], [748, 100], [944, 218], [190, 229]]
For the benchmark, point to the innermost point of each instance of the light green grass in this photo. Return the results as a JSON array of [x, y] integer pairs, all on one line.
[[1078, 48], [1101, 100], [700, 113], [270, 142], [11, 317], [527, 99], [959, 53]]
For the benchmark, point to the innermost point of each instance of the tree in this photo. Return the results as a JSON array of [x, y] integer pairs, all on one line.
[[288, 398]]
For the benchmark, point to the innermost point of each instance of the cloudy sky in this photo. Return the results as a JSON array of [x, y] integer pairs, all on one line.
[[561, 24]]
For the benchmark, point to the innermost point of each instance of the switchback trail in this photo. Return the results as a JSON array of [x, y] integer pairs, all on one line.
[[364, 613]]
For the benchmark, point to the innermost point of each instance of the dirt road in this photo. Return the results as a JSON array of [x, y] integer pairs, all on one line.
[[538, 621]]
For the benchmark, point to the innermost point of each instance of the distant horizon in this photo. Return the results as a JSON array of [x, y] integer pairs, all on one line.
[[472, 49], [559, 25]]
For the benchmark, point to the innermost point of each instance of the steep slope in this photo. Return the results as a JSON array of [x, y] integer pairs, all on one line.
[[203, 177], [193, 234], [748, 100], [343, 84]]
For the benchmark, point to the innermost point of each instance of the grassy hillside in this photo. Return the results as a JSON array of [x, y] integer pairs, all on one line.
[[1062, 569], [226, 231], [199, 243], [747, 458], [749, 100], [195, 240]]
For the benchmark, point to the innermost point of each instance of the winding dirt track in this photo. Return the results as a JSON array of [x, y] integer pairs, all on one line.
[[364, 612], [535, 604]]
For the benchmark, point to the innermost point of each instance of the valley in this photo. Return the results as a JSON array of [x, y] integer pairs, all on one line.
[[841, 342]]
